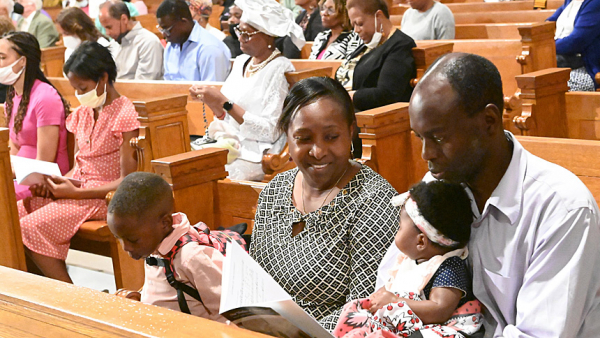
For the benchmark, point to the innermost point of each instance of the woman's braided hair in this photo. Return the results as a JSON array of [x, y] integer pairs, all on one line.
[[26, 45]]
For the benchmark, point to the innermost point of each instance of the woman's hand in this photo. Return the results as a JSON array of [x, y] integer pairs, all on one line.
[[381, 298], [61, 187], [40, 190], [210, 95]]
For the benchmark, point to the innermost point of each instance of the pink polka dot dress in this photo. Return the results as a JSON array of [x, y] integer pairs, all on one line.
[[48, 225]]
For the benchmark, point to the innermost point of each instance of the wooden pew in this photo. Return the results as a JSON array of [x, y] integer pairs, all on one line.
[[52, 61], [477, 7], [534, 51], [550, 110], [53, 12], [149, 22], [12, 253], [490, 30], [493, 17], [34, 306]]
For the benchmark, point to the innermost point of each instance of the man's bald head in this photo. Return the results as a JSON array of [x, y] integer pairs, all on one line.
[[475, 80]]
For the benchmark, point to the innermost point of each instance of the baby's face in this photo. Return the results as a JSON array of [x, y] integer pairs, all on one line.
[[138, 237], [406, 237]]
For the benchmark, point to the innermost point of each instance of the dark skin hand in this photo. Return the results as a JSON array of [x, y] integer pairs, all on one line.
[[437, 309]]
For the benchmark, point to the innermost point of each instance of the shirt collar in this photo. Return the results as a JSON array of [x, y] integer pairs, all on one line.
[[181, 225], [508, 194], [30, 17], [133, 32], [195, 34]]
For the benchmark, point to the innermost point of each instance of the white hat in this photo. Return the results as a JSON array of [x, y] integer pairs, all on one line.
[[271, 18]]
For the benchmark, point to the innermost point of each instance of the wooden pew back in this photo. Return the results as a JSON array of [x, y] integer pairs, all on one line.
[[493, 17], [478, 7], [12, 253], [34, 306], [52, 61], [149, 22]]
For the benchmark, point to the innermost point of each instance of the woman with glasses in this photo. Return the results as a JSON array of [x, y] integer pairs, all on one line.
[[250, 102], [339, 40]]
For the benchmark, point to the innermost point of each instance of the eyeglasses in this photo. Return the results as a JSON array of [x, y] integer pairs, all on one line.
[[327, 10], [165, 32], [243, 35]]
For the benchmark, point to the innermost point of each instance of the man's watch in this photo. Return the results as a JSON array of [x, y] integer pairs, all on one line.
[[227, 106]]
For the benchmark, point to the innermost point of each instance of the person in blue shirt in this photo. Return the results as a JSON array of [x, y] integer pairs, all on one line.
[[192, 53]]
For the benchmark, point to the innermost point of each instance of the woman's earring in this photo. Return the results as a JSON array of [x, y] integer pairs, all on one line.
[[352, 150], [269, 46]]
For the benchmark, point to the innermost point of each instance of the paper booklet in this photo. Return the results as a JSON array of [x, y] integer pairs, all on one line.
[[29, 171], [252, 299]]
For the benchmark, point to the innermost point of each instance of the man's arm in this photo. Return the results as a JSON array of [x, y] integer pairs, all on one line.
[[150, 64], [213, 65]]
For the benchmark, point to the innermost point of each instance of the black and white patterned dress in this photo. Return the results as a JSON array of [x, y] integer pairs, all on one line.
[[345, 44], [335, 258]]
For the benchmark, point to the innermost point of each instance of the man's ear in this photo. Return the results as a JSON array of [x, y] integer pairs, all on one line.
[[493, 118]]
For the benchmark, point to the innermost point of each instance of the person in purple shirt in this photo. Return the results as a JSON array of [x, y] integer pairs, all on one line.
[[535, 244], [192, 53]]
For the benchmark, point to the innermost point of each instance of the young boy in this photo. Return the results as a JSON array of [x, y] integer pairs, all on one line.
[[140, 216]]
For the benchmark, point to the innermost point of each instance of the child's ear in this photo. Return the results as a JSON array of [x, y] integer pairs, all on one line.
[[422, 242], [167, 221]]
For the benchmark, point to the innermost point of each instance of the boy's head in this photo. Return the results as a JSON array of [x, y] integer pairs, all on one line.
[[435, 218], [139, 214]]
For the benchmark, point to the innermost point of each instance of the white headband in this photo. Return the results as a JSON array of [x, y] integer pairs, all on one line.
[[412, 209]]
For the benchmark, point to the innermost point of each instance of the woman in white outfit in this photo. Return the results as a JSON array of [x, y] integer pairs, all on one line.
[[250, 102]]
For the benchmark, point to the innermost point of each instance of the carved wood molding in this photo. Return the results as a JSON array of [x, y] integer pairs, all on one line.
[[526, 121]]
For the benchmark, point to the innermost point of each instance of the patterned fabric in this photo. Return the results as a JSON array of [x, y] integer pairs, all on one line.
[[399, 320], [580, 81], [47, 225], [334, 259], [341, 48], [452, 273], [345, 73]]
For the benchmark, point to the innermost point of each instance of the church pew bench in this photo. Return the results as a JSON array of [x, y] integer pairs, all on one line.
[[34, 306], [475, 7], [493, 17], [52, 60], [12, 253], [53, 12], [549, 109], [149, 22]]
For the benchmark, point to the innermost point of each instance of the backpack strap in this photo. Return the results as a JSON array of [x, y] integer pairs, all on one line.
[[177, 285]]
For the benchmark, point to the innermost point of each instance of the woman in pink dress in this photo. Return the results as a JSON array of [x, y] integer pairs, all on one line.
[[35, 110], [103, 126]]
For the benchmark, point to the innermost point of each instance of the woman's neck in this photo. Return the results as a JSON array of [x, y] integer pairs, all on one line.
[[111, 95], [20, 84], [335, 32], [262, 56]]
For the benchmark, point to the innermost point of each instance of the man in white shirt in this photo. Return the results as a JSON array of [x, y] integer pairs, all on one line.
[[140, 56], [535, 243], [428, 20]]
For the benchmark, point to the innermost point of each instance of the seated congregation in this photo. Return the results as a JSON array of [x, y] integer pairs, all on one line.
[[492, 241]]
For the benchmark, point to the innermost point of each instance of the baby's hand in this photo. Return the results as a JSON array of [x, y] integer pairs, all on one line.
[[381, 298]]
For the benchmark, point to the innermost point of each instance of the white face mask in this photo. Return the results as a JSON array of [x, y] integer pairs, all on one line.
[[376, 36], [7, 76], [91, 98], [71, 42]]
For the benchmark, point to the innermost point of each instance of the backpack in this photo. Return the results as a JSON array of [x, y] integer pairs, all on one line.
[[215, 239]]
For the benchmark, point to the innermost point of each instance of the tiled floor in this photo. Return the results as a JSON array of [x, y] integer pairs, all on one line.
[[92, 271]]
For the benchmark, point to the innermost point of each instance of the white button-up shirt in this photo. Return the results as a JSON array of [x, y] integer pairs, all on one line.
[[535, 253], [140, 56]]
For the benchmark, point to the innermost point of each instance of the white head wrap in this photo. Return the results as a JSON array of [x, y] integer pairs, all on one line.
[[271, 18], [412, 209]]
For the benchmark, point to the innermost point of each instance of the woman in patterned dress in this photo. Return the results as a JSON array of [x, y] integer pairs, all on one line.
[[103, 126], [321, 229], [339, 40]]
